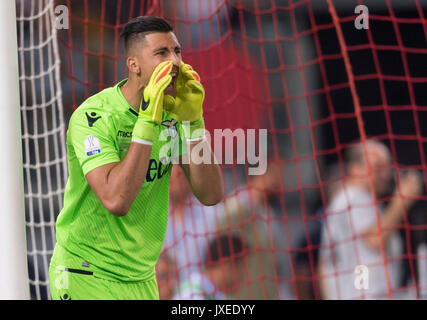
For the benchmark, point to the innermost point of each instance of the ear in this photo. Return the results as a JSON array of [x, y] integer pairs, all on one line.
[[133, 65]]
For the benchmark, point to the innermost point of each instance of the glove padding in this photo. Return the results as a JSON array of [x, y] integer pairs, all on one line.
[[188, 104], [151, 108]]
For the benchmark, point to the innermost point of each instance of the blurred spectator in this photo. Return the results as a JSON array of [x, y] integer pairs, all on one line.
[[254, 212], [351, 235], [307, 248], [189, 225], [417, 220], [224, 262], [166, 276]]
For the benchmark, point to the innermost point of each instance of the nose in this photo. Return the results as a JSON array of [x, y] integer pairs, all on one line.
[[175, 58]]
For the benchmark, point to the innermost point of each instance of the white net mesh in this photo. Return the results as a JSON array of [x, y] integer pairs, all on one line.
[[43, 135]]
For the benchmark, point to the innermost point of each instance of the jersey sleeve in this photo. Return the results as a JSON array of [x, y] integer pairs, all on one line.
[[91, 135]]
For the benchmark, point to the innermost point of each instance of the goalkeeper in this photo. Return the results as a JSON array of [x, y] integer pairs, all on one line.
[[111, 229]]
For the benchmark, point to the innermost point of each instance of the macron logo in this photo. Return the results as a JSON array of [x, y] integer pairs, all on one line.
[[92, 118]]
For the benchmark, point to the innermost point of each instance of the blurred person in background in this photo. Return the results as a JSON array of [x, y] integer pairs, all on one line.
[[222, 272], [306, 254], [189, 225], [166, 276], [351, 236], [254, 210]]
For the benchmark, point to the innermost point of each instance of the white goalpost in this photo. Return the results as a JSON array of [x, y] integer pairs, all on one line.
[[43, 162], [13, 268]]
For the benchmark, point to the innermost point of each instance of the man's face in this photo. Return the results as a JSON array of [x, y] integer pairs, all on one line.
[[379, 160], [151, 51], [381, 171], [270, 183], [228, 275]]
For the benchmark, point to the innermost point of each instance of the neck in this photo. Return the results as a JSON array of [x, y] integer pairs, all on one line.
[[132, 91], [358, 183], [213, 276]]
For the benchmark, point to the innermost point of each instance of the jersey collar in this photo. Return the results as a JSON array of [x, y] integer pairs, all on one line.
[[125, 105]]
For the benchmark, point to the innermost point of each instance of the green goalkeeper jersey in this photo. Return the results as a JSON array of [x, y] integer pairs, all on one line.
[[117, 248]]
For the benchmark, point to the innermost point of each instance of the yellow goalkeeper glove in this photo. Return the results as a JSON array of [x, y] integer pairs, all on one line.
[[151, 108], [188, 104]]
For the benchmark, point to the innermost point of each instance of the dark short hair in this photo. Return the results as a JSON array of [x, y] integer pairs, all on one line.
[[141, 26], [224, 246]]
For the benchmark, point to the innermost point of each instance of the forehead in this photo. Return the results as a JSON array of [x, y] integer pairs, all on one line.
[[160, 39], [379, 153]]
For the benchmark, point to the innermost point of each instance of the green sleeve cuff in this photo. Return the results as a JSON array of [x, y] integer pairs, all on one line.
[[144, 130], [194, 130]]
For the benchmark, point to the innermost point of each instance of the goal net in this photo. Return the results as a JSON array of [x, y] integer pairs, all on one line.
[[43, 135], [299, 68]]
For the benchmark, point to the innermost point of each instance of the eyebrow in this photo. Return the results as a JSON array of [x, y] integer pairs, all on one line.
[[166, 49]]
